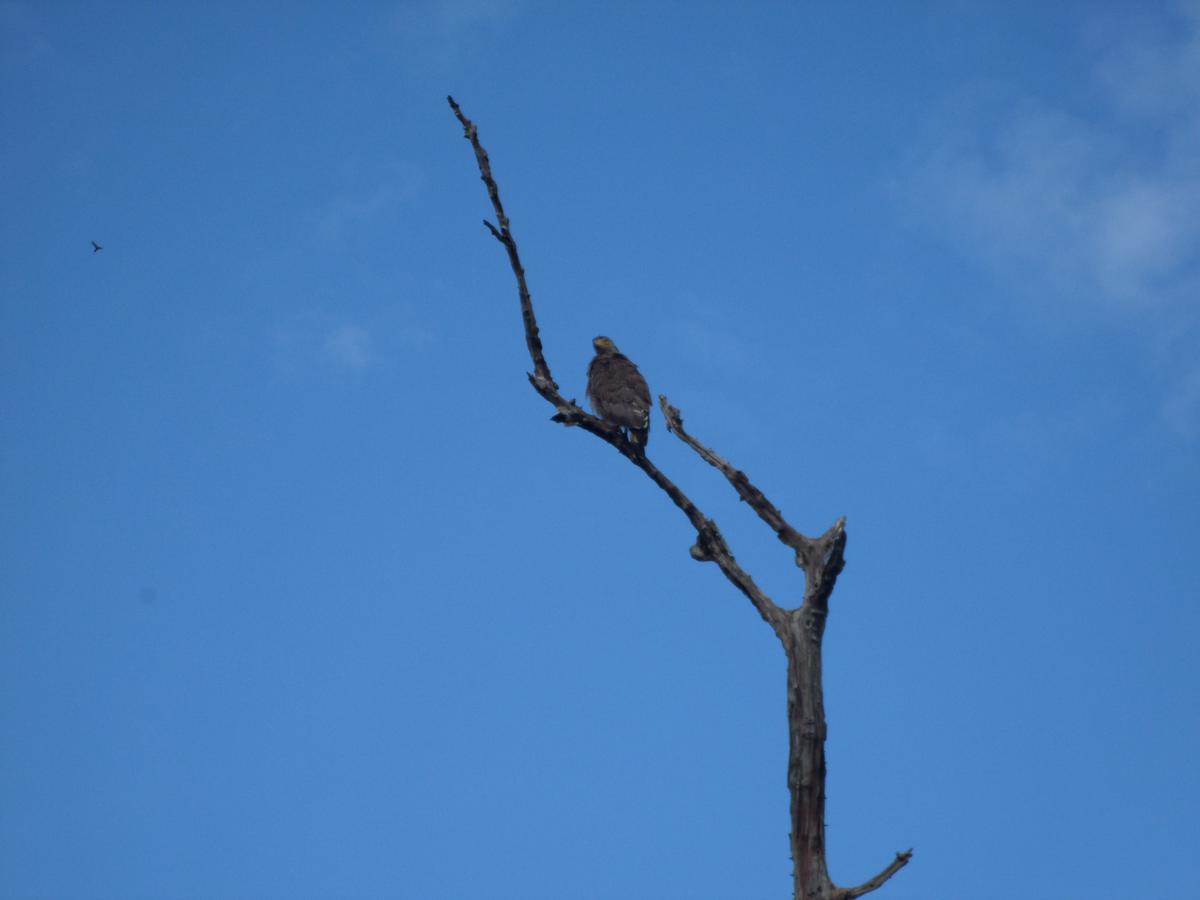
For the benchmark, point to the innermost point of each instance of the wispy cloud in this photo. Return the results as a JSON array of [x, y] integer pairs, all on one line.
[[1154, 70], [365, 193], [1091, 211], [317, 341], [348, 346], [1104, 207], [24, 46], [433, 37], [311, 341], [1181, 410]]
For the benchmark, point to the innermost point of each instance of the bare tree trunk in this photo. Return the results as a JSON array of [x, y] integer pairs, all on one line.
[[800, 630], [806, 756]]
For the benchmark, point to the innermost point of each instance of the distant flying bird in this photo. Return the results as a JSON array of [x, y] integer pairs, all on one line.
[[96, 248], [618, 392]]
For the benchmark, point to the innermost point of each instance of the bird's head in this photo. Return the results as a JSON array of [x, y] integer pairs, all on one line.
[[604, 345]]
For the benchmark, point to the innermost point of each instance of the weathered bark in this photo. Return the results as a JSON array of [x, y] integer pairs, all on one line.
[[806, 752], [799, 630]]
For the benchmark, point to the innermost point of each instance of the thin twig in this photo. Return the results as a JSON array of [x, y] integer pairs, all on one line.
[[504, 236]]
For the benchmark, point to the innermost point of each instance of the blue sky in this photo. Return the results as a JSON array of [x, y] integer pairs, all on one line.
[[303, 596]]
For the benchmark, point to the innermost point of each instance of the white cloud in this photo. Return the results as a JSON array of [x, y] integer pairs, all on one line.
[[1075, 208], [1092, 212], [1102, 210], [1144, 232], [310, 339], [315, 340], [24, 48], [1152, 66], [348, 346], [433, 37], [366, 194], [1181, 411]]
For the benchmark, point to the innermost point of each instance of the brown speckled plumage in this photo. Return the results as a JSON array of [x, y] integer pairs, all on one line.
[[618, 392]]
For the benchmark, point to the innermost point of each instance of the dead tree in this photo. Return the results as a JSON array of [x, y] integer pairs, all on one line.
[[799, 630]]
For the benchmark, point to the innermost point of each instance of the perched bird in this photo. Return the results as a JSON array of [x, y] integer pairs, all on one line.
[[96, 248], [618, 392]]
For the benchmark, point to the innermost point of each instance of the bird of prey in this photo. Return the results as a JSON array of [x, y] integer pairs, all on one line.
[[96, 248], [618, 392]]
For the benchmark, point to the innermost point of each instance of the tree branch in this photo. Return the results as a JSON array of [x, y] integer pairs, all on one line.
[[711, 546], [878, 881]]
